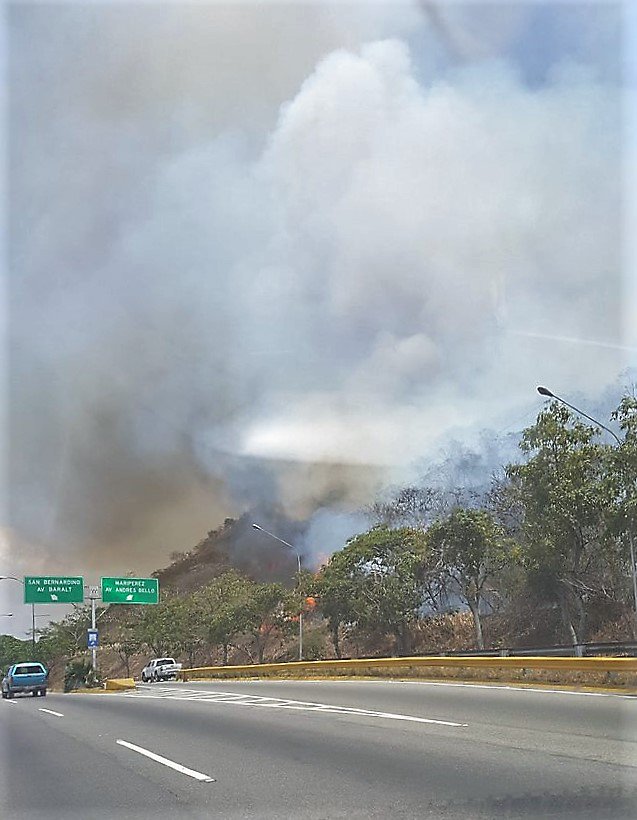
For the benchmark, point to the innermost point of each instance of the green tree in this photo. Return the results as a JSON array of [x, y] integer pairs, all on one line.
[[65, 638], [472, 548], [187, 618], [159, 628], [622, 481], [125, 642], [560, 491], [13, 650], [375, 582], [264, 614], [223, 604], [333, 588]]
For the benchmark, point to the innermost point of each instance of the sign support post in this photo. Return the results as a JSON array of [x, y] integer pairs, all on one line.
[[93, 650], [93, 594]]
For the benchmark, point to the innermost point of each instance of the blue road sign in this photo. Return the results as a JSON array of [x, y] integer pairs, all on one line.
[[92, 638]]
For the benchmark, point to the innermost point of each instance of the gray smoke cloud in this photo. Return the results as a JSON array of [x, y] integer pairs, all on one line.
[[275, 254]]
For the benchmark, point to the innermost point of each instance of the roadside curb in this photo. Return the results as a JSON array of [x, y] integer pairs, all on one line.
[[119, 684]]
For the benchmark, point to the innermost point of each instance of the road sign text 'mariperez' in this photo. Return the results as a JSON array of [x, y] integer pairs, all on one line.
[[130, 591]]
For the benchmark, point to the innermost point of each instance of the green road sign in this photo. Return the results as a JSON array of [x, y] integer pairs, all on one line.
[[130, 591], [53, 589]]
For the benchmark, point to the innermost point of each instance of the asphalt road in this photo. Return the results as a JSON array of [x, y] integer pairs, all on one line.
[[318, 749]]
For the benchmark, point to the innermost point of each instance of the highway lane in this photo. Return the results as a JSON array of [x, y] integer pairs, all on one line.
[[541, 709], [319, 749]]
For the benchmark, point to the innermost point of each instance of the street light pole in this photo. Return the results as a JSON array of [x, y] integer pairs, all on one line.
[[20, 581], [298, 559], [544, 391]]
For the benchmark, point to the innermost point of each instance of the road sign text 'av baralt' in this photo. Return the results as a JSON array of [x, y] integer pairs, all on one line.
[[53, 589]]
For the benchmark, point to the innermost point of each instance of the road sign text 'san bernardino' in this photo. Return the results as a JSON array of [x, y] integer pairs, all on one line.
[[53, 589]]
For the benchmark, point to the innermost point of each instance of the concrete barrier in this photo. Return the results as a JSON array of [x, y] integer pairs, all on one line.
[[119, 684], [376, 666]]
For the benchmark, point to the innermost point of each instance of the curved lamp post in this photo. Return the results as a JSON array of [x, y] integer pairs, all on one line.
[[544, 391], [298, 559]]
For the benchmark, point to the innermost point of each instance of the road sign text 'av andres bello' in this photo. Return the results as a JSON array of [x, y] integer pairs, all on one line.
[[130, 591], [53, 589]]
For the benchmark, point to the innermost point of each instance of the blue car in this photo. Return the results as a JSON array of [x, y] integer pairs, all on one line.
[[25, 677]]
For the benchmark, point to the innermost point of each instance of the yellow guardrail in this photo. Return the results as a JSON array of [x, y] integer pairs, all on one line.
[[360, 665]]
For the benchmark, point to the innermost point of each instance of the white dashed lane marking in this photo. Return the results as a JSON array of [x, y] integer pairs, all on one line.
[[51, 712], [204, 778]]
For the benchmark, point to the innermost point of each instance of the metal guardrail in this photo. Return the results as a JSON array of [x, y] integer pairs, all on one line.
[[599, 664], [608, 649]]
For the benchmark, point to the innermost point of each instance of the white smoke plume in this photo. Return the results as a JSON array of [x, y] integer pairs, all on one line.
[[275, 254]]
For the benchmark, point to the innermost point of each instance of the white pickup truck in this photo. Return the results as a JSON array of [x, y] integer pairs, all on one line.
[[160, 669]]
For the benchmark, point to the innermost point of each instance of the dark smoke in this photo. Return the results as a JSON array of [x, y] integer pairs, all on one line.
[[266, 257]]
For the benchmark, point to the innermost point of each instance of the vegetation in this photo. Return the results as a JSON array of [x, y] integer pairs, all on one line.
[[375, 584], [472, 548], [13, 650], [545, 551]]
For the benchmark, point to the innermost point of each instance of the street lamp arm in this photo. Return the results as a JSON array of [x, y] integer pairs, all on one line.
[[276, 537], [544, 391]]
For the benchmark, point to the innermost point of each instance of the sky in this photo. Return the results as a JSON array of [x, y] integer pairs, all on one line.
[[273, 256]]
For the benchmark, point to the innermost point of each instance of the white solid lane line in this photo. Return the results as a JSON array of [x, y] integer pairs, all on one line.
[[521, 688], [51, 712], [164, 761]]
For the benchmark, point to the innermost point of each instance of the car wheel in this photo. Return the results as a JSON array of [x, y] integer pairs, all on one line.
[[35, 693], [9, 693], [4, 695], [43, 692]]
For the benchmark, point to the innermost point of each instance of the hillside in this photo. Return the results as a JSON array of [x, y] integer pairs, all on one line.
[[234, 545]]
